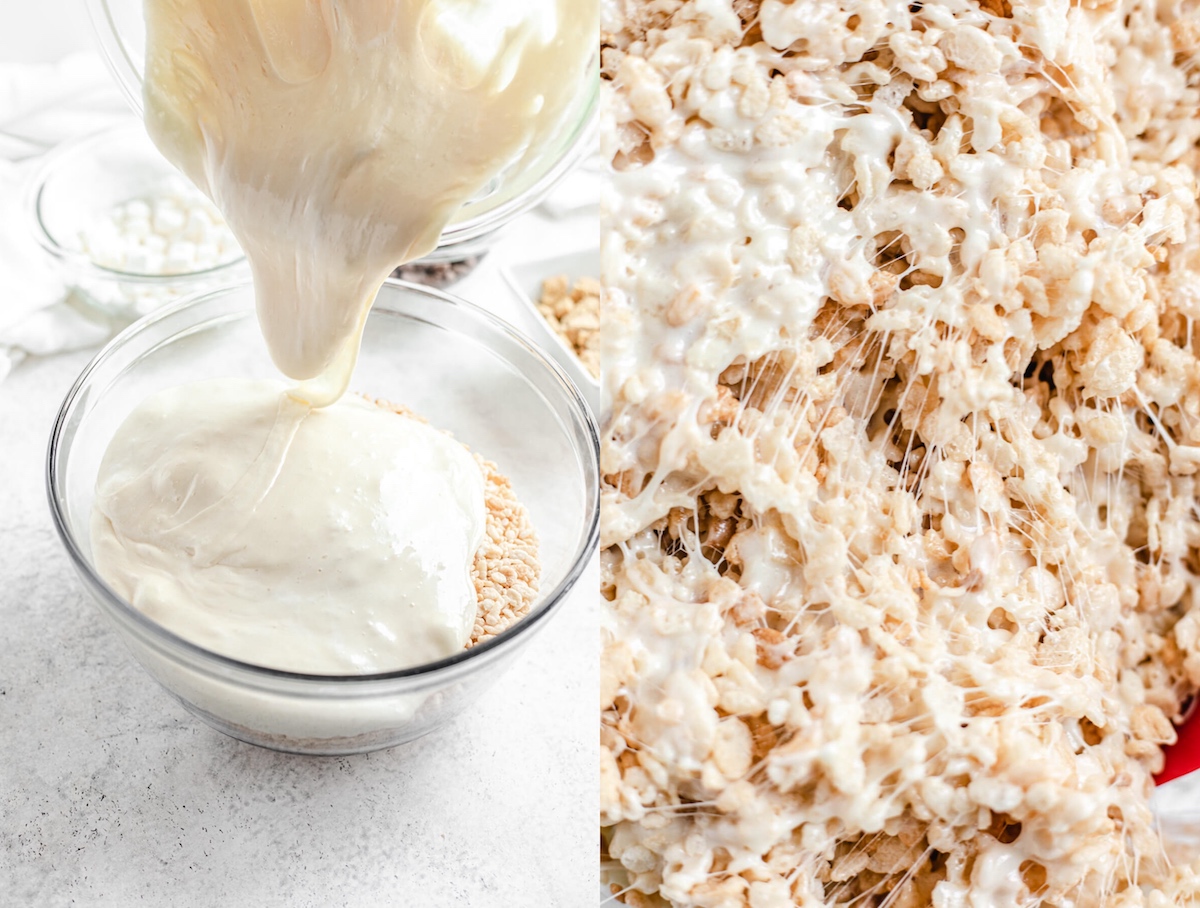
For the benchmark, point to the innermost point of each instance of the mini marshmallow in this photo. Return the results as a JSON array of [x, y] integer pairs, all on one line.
[[168, 219], [175, 231], [181, 258], [137, 210]]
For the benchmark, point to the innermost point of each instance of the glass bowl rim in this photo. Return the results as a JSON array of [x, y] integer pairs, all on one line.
[[36, 184], [160, 635], [582, 145], [587, 130]]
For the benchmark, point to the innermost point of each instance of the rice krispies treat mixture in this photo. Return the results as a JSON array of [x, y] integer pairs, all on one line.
[[574, 314], [901, 461], [506, 569]]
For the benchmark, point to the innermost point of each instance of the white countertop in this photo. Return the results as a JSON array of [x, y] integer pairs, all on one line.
[[112, 794]]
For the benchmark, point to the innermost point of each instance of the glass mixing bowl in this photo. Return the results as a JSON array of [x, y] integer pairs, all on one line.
[[463, 368], [121, 31]]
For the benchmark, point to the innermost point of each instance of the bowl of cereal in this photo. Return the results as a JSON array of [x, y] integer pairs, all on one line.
[[503, 400]]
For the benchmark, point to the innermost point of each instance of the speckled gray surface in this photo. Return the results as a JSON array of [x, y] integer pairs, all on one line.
[[112, 794]]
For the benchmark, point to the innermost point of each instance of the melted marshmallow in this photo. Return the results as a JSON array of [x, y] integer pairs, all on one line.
[[333, 541], [339, 138]]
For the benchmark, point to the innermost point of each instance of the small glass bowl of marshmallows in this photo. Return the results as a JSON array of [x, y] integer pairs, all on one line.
[[127, 230]]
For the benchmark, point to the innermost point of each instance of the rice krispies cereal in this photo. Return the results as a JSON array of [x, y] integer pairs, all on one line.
[[573, 312], [506, 568]]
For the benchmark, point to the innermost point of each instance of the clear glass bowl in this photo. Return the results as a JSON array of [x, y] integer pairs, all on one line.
[[121, 31], [463, 368], [77, 187]]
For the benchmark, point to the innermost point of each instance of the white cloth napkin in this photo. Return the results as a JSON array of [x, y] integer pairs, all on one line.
[[42, 106]]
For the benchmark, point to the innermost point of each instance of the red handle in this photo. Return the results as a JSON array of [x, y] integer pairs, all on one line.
[[1183, 756]]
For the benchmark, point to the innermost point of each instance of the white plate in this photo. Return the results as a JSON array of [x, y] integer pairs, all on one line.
[[525, 280]]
